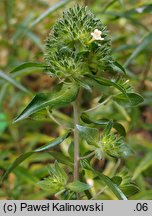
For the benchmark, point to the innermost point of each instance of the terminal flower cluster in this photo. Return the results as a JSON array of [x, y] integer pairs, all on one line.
[[77, 45]]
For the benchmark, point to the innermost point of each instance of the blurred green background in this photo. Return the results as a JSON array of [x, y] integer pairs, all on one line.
[[24, 26]]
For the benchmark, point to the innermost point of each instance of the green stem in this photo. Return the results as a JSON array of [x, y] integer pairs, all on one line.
[[100, 192], [87, 156], [100, 104], [51, 117], [76, 141]]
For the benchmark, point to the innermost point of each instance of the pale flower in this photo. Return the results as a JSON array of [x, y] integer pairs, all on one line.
[[90, 182], [97, 35]]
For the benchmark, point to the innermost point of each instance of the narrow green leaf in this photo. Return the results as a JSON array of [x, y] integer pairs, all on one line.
[[28, 65], [54, 142], [145, 42], [120, 67], [18, 161], [24, 156], [13, 82], [89, 134], [78, 186], [63, 97], [49, 11], [112, 186], [143, 165]]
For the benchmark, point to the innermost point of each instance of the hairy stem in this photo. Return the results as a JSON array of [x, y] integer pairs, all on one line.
[[76, 140]]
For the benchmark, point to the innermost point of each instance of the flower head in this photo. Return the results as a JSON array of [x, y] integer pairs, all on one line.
[[69, 50], [97, 35]]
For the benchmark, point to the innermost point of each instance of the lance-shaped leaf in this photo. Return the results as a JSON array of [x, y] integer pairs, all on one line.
[[112, 186], [89, 134], [28, 65], [66, 95], [119, 67], [9, 79], [117, 126], [24, 156]]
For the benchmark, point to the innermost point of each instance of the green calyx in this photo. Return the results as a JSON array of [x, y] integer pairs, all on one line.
[[71, 48], [56, 181], [114, 146]]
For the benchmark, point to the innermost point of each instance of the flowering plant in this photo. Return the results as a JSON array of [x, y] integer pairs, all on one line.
[[78, 54]]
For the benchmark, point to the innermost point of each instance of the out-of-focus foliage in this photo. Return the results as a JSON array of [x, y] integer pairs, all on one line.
[[23, 31]]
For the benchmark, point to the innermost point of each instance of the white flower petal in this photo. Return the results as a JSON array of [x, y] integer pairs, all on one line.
[[97, 35]]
